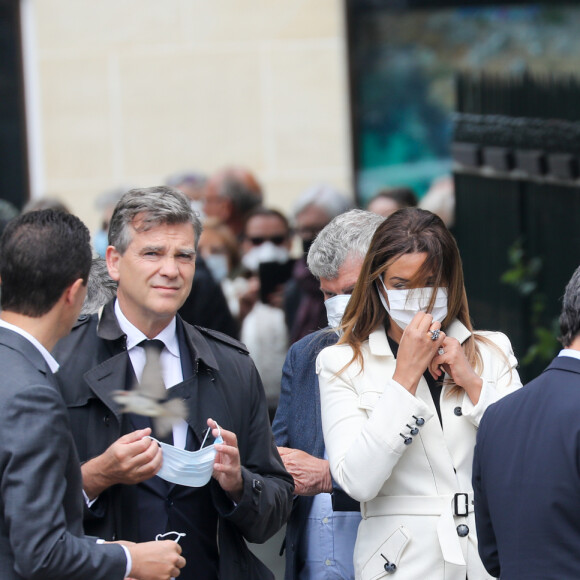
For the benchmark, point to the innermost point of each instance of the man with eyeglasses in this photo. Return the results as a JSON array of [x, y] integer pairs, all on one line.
[[266, 255]]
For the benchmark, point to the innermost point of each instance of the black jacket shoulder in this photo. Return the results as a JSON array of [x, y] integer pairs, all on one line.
[[223, 338]]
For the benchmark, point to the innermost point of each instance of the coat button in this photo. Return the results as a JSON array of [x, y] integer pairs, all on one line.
[[257, 485], [458, 411], [390, 568], [462, 530], [419, 420], [107, 420], [408, 440]]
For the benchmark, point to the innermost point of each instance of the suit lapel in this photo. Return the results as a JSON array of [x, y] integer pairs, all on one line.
[[203, 401], [109, 376]]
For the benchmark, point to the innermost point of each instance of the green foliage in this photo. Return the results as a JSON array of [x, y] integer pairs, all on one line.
[[523, 277]]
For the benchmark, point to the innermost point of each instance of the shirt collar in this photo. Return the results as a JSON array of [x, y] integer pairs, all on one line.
[[571, 352], [50, 361], [379, 345], [134, 336]]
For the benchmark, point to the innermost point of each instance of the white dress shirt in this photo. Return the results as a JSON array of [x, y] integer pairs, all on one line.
[[170, 361], [52, 364], [571, 352]]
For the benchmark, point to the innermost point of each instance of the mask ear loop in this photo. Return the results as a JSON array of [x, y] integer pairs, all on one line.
[[178, 537], [208, 431]]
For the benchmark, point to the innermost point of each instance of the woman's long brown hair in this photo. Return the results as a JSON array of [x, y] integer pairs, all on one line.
[[408, 231]]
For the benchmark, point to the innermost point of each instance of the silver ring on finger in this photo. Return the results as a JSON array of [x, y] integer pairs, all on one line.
[[434, 333], [440, 351]]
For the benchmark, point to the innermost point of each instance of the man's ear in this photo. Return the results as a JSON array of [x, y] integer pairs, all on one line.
[[75, 291], [113, 256]]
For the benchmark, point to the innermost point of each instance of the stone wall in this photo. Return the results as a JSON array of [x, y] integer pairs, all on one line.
[[132, 90]]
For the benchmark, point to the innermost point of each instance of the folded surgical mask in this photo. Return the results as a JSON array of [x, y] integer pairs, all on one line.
[[189, 468], [335, 308], [404, 304]]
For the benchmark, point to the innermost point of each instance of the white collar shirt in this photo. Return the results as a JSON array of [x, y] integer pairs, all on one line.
[[571, 352], [170, 361], [50, 361]]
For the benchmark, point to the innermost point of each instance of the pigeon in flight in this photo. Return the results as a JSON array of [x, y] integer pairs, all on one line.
[[149, 397]]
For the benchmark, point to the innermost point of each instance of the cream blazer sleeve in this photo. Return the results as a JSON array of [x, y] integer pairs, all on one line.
[[499, 378], [364, 420]]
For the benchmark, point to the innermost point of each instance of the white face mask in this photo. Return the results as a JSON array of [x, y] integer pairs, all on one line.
[[404, 304], [266, 252], [335, 308], [218, 266], [189, 468], [197, 207]]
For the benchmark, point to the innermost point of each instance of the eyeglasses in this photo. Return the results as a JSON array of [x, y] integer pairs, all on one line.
[[276, 240]]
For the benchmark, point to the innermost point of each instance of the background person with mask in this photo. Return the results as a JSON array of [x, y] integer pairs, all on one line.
[[320, 540], [219, 249], [266, 241], [303, 303], [398, 440]]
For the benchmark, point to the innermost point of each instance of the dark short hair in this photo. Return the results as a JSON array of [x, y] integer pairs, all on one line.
[[570, 316], [402, 196], [157, 205], [41, 254], [267, 212]]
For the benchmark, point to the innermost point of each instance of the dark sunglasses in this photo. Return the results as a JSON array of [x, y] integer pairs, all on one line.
[[276, 240]]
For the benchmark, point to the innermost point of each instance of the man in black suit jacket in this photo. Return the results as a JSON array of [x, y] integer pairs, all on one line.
[[153, 237], [526, 471], [41, 532]]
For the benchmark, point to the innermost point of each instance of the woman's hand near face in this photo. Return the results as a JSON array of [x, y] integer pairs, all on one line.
[[416, 350], [454, 362]]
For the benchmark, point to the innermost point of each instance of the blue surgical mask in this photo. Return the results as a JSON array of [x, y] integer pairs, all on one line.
[[189, 468], [335, 308], [101, 242], [218, 266]]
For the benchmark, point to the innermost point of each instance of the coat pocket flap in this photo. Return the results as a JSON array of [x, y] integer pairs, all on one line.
[[385, 560]]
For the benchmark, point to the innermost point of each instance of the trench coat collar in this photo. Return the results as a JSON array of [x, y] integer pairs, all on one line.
[[379, 344], [108, 329]]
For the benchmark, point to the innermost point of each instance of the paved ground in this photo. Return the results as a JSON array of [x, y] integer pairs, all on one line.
[[269, 553]]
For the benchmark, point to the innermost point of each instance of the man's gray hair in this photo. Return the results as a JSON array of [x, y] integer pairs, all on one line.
[[101, 288], [347, 235], [154, 206], [325, 197], [570, 316]]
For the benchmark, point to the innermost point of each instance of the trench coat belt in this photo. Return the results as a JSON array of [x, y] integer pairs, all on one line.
[[438, 505]]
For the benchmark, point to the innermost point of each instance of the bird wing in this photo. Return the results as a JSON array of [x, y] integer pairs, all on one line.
[[171, 412]]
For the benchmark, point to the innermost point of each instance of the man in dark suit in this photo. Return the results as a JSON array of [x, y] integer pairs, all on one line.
[[526, 470], [41, 533], [322, 528], [153, 236]]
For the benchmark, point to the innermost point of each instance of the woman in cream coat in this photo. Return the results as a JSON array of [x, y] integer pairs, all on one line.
[[402, 395]]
